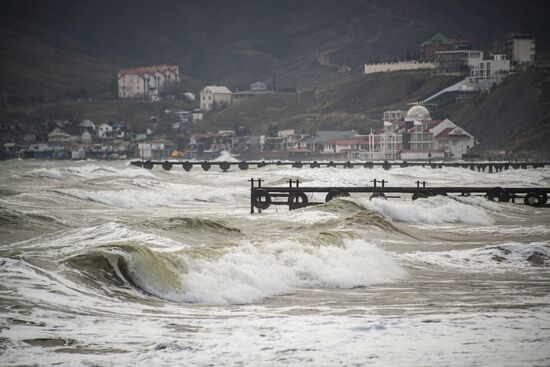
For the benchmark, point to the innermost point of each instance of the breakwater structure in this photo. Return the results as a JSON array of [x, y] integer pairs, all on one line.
[[295, 196], [225, 166]]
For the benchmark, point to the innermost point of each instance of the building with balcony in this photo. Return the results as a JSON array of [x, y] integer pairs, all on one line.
[[146, 82], [518, 47]]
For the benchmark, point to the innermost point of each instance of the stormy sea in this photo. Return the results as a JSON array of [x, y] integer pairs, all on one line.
[[103, 263]]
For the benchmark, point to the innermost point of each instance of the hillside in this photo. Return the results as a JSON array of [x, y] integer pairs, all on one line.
[[346, 102], [52, 49], [515, 116], [135, 113]]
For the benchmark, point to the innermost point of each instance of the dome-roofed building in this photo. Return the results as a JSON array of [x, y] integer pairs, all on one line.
[[88, 124], [418, 113]]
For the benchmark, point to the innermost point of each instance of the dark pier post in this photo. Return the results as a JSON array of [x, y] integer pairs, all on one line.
[[251, 194]]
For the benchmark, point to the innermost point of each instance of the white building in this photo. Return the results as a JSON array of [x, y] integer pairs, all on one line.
[[59, 135], [519, 48], [394, 115], [496, 69], [523, 50], [451, 139], [425, 138], [104, 131], [390, 142], [397, 66], [146, 82], [457, 61], [215, 97], [197, 115]]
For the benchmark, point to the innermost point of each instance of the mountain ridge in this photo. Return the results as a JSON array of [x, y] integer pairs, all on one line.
[[238, 44]]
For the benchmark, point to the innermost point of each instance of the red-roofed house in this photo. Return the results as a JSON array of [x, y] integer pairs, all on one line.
[[352, 147], [147, 81], [452, 139]]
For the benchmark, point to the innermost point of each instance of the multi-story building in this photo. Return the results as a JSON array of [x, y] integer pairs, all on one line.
[[440, 42], [495, 69], [146, 82], [214, 97], [519, 48], [394, 115], [424, 138], [457, 61]]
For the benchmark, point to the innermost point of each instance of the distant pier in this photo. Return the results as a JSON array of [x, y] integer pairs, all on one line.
[[295, 196], [225, 166]]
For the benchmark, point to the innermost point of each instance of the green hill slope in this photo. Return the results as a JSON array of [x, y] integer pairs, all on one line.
[[345, 102], [516, 116]]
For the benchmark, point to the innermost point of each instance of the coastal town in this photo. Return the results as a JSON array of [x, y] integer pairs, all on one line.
[[408, 133]]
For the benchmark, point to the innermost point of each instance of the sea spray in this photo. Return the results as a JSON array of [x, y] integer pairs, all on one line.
[[434, 210], [251, 272]]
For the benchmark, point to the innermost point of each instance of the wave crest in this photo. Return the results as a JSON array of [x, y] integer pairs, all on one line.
[[248, 272], [434, 210]]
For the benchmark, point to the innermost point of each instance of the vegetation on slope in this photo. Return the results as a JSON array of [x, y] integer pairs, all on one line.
[[348, 102], [515, 116]]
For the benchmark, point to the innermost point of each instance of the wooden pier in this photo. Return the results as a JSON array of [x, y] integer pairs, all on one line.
[[225, 166], [295, 196]]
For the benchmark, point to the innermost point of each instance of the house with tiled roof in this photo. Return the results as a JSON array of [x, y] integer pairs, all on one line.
[[452, 139], [256, 89], [317, 142], [147, 81], [440, 42], [418, 136]]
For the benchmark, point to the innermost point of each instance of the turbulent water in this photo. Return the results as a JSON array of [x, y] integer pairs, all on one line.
[[102, 263]]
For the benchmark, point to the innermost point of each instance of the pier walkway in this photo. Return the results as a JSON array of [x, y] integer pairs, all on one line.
[[295, 196], [224, 166]]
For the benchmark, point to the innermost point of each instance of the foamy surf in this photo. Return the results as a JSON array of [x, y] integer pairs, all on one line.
[[250, 272], [496, 258], [200, 280], [433, 210]]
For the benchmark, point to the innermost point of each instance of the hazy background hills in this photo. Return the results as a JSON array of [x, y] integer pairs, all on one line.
[[56, 47]]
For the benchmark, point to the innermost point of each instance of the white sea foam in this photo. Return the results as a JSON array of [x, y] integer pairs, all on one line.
[[163, 195], [434, 210], [302, 216], [251, 272], [225, 156], [502, 257], [89, 171]]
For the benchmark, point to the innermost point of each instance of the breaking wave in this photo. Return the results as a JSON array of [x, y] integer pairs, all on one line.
[[190, 223], [88, 171], [246, 272], [434, 210], [162, 196]]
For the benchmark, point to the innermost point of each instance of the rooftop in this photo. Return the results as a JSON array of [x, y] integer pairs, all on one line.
[[325, 135], [217, 89], [348, 141], [149, 69], [437, 39], [447, 133], [418, 112]]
